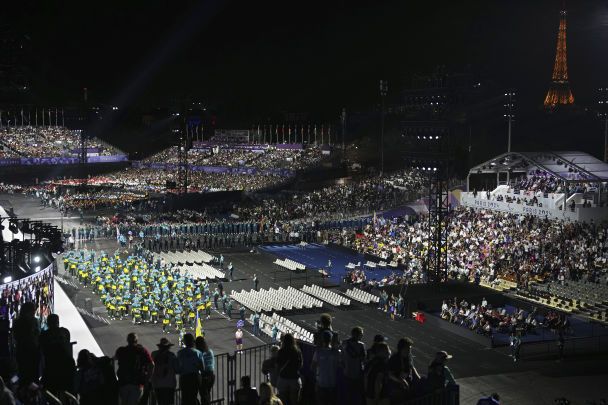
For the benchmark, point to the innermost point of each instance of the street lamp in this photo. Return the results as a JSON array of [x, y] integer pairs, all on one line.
[[383, 92]]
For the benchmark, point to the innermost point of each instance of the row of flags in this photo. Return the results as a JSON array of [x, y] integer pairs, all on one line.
[[47, 116]]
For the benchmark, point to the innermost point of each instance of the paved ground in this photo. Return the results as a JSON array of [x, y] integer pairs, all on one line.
[[478, 369]]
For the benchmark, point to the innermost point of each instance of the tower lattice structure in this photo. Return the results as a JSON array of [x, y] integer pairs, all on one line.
[[559, 92]]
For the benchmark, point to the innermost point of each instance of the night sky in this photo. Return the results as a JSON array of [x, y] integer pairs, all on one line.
[[252, 57]]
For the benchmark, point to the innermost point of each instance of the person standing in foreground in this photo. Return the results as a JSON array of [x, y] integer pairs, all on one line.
[[135, 368], [208, 373], [190, 365], [164, 375], [289, 362], [353, 359], [439, 375]]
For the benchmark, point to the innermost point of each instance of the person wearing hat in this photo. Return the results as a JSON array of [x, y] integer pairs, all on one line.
[[439, 375], [164, 376]]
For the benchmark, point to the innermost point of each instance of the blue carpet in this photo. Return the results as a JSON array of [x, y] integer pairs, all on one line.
[[316, 256]]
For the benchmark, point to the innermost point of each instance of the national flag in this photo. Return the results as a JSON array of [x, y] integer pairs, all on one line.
[[199, 327]]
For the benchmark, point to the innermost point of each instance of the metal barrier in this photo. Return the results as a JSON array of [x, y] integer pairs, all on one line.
[[231, 367], [590, 344]]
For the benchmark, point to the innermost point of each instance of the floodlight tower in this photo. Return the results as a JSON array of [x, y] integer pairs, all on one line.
[[383, 92], [509, 115], [603, 114]]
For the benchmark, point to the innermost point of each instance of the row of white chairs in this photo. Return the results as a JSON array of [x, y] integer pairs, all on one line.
[[194, 256], [275, 299], [202, 271], [284, 325], [362, 296], [290, 264], [326, 295]]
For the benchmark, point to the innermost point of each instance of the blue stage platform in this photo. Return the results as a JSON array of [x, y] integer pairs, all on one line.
[[316, 256]]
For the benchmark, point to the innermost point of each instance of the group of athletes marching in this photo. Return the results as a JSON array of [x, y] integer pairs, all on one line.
[[139, 288]]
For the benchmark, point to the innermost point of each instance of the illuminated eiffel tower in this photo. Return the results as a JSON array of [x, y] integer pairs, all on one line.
[[559, 92]]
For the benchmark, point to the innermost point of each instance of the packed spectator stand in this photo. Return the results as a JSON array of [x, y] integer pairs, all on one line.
[[50, 141]]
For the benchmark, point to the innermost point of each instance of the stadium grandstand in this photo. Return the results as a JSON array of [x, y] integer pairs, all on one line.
[[27, 145], [567, 185]]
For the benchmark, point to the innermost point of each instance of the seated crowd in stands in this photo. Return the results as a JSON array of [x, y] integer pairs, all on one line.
[[56, 141], [484, 319], [486, 245], [266, 157], [362, 196]]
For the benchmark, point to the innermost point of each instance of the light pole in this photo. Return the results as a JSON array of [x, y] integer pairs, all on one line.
[[343, 119], [509, 115], [383, 91], [603, 113]]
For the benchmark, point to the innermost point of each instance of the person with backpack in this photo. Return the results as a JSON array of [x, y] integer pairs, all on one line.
[[376, 375], [164, 376], [208, 372], [135, 368], [353, 360]]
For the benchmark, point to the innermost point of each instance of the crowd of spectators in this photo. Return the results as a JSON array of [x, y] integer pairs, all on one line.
[[361, 196], [55, 141], [540, 181], [265, 157], [485, 319], [36, 290], [485, 245]]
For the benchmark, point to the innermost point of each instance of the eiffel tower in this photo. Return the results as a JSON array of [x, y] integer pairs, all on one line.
[[559, 91]]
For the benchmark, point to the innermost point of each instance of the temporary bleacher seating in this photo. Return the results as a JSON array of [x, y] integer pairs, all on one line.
[[184, 257], [284, 325], [587, 299], [276, 299], [499, 284], [290, 264], [362, 296], [326, 295], [202, 271]]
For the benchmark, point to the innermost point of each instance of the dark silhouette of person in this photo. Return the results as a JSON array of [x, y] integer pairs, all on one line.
[[89, 382], [164, 378], [135, 368], [190, 364], [208, 372], [26, 331], [59, 368], [246, 395]]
